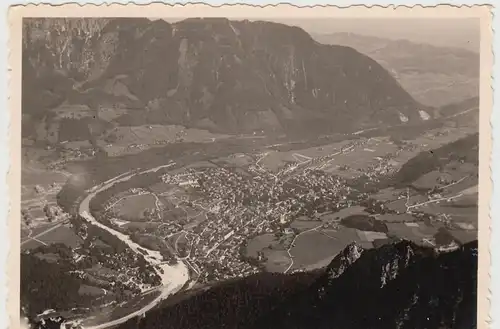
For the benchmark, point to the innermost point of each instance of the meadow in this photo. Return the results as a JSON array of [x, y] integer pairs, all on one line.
[[314, 246], [133, 207]]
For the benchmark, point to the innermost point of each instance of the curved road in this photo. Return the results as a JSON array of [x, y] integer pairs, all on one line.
[[173, 278]]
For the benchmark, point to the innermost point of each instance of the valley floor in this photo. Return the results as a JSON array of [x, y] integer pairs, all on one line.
[[281, 211]]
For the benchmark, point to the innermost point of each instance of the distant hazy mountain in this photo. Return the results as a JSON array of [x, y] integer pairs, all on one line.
[[227, 76], [433, 75]]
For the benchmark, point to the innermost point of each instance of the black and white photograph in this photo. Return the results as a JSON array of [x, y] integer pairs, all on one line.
[[250, 173]]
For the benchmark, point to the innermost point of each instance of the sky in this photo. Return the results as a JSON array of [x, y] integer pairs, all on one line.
[[463, 32], [446, 32]]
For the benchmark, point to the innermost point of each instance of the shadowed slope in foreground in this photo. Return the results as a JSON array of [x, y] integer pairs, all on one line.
[[398, 285]]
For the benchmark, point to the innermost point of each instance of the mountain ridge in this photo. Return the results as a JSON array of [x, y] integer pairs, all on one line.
[[379, 289], [228, 76], [398, 285]]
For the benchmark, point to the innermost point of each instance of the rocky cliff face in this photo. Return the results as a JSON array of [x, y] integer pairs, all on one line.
[[231, 76], [67, 45], [398, 285]]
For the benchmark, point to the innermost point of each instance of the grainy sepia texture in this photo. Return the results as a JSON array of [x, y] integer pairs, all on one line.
[[235, 168]]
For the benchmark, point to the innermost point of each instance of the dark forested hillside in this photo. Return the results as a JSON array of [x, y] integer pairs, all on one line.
[[396, 286], [465, 149], [235, 304], [399, 285], [48, 285]]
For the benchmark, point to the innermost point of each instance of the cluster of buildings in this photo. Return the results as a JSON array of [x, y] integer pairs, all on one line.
[[134, 275], [74, 154], [242, 204], [237, 204]]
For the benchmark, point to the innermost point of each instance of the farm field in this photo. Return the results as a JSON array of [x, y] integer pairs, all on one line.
[[314, 246], [349, 211], [351, 164], [396, 218], [310, 249], [91, 290], [133, 207], [274, 160], [32, 176], [277, 260], [39, 188], [302, 225], [236, 160], [135, 139], [63, 234], [463, 235], [259, 243], [46, 234], [385, 194], [31, 244]]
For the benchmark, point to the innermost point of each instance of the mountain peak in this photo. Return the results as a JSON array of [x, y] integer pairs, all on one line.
[[205, 20], [400, 285], [387, 258], [344, 259]]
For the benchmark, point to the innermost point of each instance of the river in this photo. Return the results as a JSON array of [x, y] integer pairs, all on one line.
[[173, 278]]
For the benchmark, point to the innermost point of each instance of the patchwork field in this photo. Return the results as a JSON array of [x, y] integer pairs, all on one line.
[[134, 139], [273, 160], [350, 162], [311, 249], [369, 236], [413, 232]]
